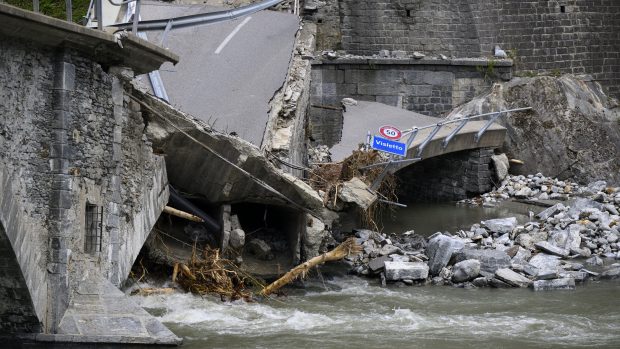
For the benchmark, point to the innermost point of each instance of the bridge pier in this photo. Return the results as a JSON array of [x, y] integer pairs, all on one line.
[[450, 177]]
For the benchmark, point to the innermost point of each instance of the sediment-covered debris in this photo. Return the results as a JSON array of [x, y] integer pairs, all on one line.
[[559, 246]]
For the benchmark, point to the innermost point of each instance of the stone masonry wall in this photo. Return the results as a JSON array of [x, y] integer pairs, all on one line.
[[69, 136], [545, 36], [430, 87], [450, 177]]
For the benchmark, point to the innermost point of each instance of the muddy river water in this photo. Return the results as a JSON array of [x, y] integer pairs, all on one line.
[[342, 311]]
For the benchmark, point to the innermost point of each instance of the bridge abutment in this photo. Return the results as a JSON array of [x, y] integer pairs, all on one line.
[[450, 177]]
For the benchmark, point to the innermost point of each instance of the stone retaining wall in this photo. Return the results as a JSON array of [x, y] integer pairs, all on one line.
[[450, 177], [428, 86], [577, 36]]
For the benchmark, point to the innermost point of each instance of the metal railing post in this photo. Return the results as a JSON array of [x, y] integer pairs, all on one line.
[[99, 14], [453, 133], [428, 139], [414, 132], [136, 18], [69, 9], [35, 5], [484, 128]]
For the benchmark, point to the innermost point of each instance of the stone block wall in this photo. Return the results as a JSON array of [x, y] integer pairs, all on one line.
[[450, 177], [560, 36], [576, 36], [70, 136], [430, 87]]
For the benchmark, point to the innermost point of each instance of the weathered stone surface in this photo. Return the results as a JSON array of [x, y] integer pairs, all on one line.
[[575, 122], [387, 250], [555, 284], [551, 211], [501, 225], [527, 240], [237, 238], [612, 272], [313, 237], [465, 270], [376, 265], [566, 239], [543, 261], [549, 248], [440, 250], [260, 249], [512, 278], [490, 260], [356, 191], [395, 271], [501, 165]]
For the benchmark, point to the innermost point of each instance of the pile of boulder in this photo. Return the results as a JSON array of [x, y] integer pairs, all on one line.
[[571, 241]]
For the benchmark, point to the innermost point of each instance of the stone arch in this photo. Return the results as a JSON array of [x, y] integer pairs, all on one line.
[[17, 311]]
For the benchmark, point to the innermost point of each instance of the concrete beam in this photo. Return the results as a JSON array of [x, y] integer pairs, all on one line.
[[106, 49]]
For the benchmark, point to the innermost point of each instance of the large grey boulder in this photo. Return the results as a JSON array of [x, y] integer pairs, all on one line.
[[612, 272], [313, 237], [543, 261], [512, 278], [555, 284], [260, 249], [490, 260], [237, 238], [465, 270], [440, 250], [567, 239], [500, 225], [527, 240], [356, 191], [501, 165], [395, 271], [571, 119], [552, 249], [551, 211]]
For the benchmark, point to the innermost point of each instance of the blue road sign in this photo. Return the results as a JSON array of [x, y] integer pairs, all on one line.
[[389, 146]]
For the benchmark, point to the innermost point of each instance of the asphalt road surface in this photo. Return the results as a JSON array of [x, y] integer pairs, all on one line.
[[228, 72]]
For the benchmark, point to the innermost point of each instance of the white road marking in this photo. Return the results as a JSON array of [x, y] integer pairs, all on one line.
[[231, 35]]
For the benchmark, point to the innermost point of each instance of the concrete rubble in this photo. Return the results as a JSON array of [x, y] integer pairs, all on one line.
[[549, 252]]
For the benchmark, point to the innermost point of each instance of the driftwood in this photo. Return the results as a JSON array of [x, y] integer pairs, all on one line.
[[152, 290], [347, 248], [178, 213]]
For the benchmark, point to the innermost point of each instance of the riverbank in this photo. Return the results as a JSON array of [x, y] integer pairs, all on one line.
[[573, 240]]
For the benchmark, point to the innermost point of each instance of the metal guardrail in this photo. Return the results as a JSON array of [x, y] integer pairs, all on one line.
[[413, 132]]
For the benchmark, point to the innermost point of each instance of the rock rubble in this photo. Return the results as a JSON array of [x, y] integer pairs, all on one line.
[[578, 229]]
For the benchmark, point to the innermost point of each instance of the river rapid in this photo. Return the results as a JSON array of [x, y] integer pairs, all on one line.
[[342, 311]]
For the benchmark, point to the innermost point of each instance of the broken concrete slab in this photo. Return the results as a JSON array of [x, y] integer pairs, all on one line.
[[490, 260], [101, 313], [440, 250], [552, 249], [357, 192], [512, 278], [553, 285], [500, 225], [395, 271]]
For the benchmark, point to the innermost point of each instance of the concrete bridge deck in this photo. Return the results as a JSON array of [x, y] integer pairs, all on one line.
[[370, 116]]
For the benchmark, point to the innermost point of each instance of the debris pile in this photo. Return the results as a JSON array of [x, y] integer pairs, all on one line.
[[564, 245], [210, 274]]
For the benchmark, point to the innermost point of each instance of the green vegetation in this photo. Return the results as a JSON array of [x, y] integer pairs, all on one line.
[[556, 73], [526, 74], [55, 8], [489, 70]]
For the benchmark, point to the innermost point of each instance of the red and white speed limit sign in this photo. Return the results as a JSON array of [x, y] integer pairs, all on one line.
[[390, 132]]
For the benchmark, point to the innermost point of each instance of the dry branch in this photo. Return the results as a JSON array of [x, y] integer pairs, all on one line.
[[347, 248], [182, 214]]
